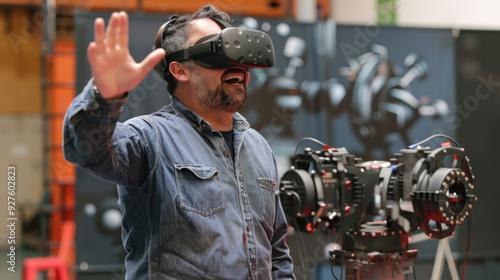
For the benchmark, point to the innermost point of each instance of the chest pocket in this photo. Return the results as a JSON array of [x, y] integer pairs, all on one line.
[[200, 190], [266, 187]]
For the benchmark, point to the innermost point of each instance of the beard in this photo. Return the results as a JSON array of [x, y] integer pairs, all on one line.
[[218, 99]]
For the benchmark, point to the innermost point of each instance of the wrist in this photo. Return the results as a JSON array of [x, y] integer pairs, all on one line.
[[98, 95]]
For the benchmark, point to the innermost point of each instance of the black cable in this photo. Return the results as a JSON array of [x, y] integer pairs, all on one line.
[[432, 137], [296, 197], [331, 269], [469, 235], [331, 261], [298, 236], [308, 139]]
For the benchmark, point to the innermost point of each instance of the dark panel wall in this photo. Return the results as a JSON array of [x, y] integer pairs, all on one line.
[[477, 124]]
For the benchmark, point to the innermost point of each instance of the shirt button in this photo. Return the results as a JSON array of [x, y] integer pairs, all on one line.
[[248, 228], [227, 153]]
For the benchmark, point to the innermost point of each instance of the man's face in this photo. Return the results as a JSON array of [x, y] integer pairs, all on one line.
[[218, 89]]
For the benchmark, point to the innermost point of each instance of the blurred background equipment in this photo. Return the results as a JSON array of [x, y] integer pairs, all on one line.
[[381, 101], [280, 88]]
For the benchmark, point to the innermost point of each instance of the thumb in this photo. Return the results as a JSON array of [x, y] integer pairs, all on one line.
[[152, 59]]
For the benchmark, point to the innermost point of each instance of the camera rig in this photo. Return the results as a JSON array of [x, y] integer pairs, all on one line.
[[374, 205]]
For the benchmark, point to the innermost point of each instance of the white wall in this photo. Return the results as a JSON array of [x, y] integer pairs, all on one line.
[[359, 12], [460, 14]]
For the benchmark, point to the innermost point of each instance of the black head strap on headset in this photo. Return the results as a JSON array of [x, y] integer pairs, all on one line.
[[233, 47]]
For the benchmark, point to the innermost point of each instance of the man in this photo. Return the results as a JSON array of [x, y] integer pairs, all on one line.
[[197, 187]]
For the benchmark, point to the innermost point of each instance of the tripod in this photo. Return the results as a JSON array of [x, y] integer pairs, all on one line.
[[375, 255], [443, 251]]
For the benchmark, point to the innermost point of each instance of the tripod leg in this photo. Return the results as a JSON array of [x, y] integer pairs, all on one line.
[[451, 262], [437, 270], [444, 251]]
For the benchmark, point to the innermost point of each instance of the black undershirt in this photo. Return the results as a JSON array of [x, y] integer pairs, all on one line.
[[229, 138]]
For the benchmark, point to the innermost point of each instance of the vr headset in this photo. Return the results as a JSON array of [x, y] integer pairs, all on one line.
[[233, 47]]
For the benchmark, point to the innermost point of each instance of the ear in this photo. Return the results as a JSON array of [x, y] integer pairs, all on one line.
[[179, 71]]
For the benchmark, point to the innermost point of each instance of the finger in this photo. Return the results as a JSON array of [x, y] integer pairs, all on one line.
[[151, 60], [91, 54], [111, 30], [99, 35], [123, 31]]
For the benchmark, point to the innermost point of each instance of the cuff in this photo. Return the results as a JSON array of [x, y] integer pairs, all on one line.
[[111, 105]]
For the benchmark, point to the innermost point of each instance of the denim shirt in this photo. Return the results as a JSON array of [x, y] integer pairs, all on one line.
[[189, 210]]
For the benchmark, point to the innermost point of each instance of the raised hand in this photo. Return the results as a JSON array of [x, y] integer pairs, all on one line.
[[113, 68]]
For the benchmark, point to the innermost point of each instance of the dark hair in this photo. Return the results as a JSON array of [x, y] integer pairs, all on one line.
[[177, 33]]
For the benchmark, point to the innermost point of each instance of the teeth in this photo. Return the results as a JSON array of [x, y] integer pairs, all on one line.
[[234, 77]]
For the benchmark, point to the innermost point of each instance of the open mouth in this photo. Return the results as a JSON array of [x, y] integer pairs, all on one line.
[[235, 77]]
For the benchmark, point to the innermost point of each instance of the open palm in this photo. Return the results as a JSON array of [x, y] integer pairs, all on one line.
[[113, 68]]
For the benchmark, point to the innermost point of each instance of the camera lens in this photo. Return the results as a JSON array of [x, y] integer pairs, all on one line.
[[455, 197]]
